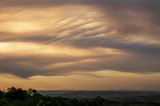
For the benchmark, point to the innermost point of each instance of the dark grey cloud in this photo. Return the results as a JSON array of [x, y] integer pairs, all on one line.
[[31, 65], [125, 64], [136, 47], [137, 19]]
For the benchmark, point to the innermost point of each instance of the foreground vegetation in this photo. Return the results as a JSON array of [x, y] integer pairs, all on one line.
[[30, 97]]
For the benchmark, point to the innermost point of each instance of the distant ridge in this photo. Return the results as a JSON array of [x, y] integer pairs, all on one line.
[[93, 94]]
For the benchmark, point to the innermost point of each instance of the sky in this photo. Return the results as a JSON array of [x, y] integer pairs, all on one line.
[[80, 44]]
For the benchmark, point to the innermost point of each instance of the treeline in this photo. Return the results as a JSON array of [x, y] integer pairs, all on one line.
[[19, 97]]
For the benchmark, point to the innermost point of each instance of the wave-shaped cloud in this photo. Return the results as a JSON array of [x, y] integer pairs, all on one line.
[[65, 36]]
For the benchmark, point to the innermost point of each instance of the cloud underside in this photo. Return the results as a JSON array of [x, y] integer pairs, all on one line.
[[46, 39]]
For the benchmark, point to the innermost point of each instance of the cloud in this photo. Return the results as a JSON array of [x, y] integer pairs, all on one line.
[[91, 35], [26, 66], [32, 65]]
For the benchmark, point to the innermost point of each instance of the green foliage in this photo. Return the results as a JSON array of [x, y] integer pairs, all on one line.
[[19, 97], [2, 93], [16, 94]]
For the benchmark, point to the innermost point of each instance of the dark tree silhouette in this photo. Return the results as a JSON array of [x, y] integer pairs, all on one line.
[[2, 93], [19, 97], [16, 94]]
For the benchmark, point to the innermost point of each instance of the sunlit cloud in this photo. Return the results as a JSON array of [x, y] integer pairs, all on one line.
[[85, 40]]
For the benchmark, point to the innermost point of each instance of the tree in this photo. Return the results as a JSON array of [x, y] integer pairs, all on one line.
[[31, 92], [16, 94], [2, 93]]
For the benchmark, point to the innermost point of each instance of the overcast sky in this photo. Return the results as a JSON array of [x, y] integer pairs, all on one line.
[[80, 44]]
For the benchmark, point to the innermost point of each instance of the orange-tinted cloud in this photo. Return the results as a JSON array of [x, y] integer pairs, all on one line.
[[60, 37]]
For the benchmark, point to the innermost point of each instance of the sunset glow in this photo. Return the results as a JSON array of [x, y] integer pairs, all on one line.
[[79, 45]]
